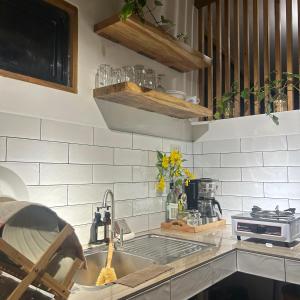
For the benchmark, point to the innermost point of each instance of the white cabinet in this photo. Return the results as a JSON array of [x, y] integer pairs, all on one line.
[[292, 270], [159, 292], [224, 266], [261, 265]]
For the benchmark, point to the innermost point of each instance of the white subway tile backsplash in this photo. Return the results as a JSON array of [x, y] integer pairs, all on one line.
[[264, 203], [252, 189], [155, 220], [111, 174], [231, 202], [282, 190], [19, 126], [293, 142], [223, 174], [65, 174], [152, 158], [222, 146], [123, 209], [83, 154], [138, 223], [144, 142], [65, 132], [265, 174], [242, 159], [266, 143], [124, 191], [140, 174], [83, 233], [110, 138], [189, 163], [87, 193], [25, 150], [198, 172], [28, 172], [131, 157], [282, 158], [294, 174], [228, 213], [189, 148], [147, 206], [75, 214], [207, 160], [2, 148], [295, 204], [197, 148], [169, 145], [53, 195]]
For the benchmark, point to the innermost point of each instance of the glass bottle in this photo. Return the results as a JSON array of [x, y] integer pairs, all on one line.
[[172, 204], [280, 102], [159, 86]]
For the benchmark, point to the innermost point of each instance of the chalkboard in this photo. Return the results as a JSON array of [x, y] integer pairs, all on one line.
[[35, 40]]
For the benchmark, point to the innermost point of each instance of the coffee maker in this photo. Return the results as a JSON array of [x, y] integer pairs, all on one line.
[[201, 196]]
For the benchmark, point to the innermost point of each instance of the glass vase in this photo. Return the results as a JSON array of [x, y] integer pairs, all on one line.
[[172, 204], [229, 109], [280, 103]]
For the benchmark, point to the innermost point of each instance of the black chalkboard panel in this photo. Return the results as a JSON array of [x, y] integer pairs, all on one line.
[[35, 39]]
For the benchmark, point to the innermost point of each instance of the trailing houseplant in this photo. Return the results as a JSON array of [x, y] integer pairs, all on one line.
[[273, 92], [141, 8]]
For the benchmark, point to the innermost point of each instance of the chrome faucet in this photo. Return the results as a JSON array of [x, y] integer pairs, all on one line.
[[104, 204]]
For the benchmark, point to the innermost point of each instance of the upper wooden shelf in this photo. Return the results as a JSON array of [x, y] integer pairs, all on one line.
[[152, 42], [130, 94]]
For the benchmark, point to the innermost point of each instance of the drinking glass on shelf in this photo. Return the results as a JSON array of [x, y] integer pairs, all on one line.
[[97, 79], [159, 86], [128, 73], [104, 75], [116, 76], [139, 75], [150, 79]]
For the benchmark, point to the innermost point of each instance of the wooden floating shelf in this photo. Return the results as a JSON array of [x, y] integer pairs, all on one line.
[[152, 42], [130, 94]]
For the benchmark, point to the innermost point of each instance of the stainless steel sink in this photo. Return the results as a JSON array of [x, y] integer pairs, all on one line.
[[162, 249], [123, 263]]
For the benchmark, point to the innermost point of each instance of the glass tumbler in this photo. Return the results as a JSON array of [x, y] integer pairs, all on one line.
[[159, 86], [139, 75], [104, 75], [128, 73], [150, 79], [116, 76]]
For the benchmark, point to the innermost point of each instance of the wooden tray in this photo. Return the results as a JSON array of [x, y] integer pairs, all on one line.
[[180, 225]]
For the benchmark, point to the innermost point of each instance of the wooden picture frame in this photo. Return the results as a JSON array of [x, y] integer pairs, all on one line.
[[72, 11]]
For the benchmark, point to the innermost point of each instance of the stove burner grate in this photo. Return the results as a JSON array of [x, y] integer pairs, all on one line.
[[257, 212]]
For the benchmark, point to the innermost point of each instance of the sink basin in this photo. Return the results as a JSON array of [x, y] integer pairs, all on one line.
[[123, 263]]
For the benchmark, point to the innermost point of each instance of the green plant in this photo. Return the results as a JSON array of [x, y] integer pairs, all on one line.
[[141, 8], [268, 92]]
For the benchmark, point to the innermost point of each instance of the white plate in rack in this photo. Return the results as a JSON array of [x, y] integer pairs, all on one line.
[[11, 185]]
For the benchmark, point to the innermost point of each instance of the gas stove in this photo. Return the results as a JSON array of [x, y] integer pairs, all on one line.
[[270, 225]]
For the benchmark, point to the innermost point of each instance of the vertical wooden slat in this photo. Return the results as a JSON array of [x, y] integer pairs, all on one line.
[[227, 62], [278, 40], [246, 55], [256, 70], [289, 50], [237, 67], [201, 78], [210, 71], [266, 44], [218, 50]]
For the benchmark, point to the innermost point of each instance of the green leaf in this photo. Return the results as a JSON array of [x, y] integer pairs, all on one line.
[[245, 94], [159, 155], [275, 119], [158, 3], [217, 115], [165, 21], [127, 11]]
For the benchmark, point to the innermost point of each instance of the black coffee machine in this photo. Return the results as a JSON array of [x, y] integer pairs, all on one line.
[[201, 196]]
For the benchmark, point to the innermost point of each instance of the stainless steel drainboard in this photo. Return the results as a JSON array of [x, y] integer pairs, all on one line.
[[162, 249]]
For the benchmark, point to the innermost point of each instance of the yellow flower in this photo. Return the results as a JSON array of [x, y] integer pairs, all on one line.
[[160, 186], [177, 173], [187, 182], [188, 174], [176, 158], [165, 162]]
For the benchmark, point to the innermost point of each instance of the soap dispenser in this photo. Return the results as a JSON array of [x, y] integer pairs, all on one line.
[[100, 227], [107, 225]]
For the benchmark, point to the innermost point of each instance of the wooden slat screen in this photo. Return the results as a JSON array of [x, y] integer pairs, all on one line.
[[245, 50], [201, 49]]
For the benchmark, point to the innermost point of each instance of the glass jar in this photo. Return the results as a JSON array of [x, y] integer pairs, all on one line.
[[172, 204], [139, 75], [280, 103], [229, 109], [104, 75], [128, 73]]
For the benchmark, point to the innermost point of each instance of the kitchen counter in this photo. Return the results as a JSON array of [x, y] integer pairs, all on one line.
[[225, 244]]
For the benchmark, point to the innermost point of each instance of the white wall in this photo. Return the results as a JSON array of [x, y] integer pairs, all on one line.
[[257, 162], [32, 100]]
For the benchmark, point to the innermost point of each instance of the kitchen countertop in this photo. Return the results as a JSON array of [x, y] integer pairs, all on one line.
[[221, 237]]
